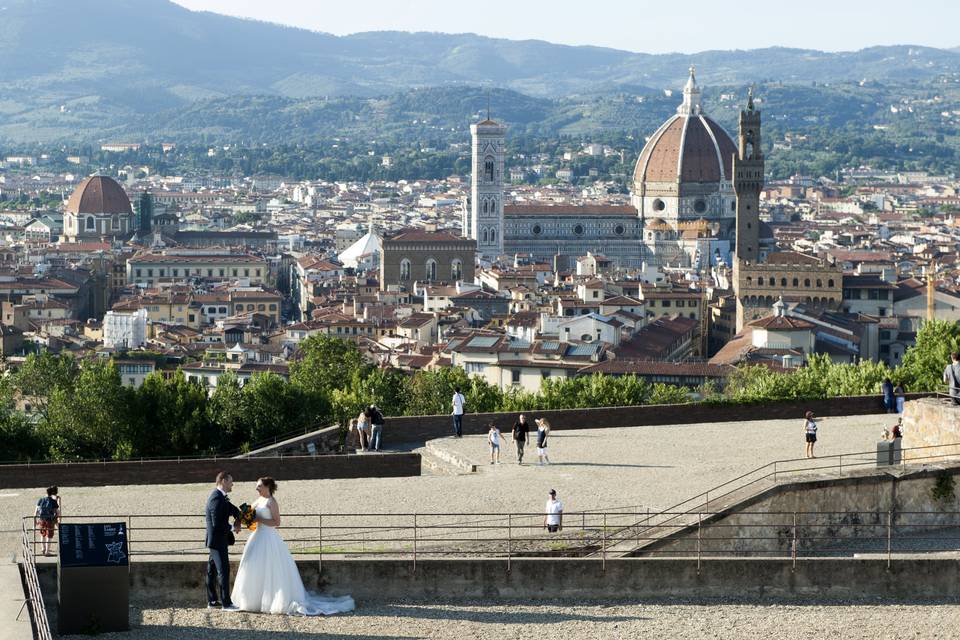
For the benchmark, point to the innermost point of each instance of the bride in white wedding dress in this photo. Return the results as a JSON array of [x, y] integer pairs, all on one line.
[[268, 580]]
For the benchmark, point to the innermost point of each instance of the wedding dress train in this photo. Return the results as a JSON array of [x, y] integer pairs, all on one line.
[[268, 580]]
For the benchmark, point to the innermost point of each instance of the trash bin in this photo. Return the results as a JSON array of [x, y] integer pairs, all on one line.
[[93, 578], [884, 453]]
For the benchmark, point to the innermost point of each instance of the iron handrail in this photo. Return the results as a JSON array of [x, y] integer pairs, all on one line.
[[34, 600]]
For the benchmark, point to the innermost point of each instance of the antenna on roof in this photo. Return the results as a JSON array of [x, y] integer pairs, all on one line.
[[488, 103]]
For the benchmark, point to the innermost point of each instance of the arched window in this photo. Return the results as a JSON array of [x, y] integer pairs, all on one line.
[[493, 235], [783, 282], [749, 281], [806, 282], [830, 283], [91, 224], [760, 281], [456, 269], [431, 269], [404, 269], [484, 236], [484, 206], [488, 168], [819, 283], [796, 282]]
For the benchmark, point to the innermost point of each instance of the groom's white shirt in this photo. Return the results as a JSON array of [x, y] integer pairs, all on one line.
[[222, 492]]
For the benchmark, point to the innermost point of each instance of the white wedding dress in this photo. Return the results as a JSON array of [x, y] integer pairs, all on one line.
[[268, 580]]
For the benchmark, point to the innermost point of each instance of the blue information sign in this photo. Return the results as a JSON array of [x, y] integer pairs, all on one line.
[[98, 544]]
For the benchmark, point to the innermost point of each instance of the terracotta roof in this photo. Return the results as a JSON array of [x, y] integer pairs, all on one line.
[[706, 154], [99, 194], [546, 209], [782, 323], [420, 235]]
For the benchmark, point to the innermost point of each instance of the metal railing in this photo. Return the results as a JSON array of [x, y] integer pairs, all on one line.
[[795, 535], [34, 600], [767, 476]]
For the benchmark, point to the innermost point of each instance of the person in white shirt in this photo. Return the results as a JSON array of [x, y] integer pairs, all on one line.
[[553, 518], [493, 437], [458, 403]]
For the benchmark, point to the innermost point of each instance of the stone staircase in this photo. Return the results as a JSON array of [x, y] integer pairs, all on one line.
[[437, 460]]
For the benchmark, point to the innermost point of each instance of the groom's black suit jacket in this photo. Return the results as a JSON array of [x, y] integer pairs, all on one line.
[[219, 531]]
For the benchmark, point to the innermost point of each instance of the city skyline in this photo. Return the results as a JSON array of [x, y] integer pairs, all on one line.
[[822, 26]]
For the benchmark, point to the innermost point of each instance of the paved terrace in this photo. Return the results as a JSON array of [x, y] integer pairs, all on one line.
[[644, 467]]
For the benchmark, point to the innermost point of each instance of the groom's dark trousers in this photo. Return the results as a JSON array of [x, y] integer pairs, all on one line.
[[219, 538]]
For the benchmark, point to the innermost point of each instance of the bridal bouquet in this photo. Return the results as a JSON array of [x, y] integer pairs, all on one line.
[[248, 517]]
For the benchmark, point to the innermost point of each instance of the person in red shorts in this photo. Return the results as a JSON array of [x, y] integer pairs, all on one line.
[[46, 518]]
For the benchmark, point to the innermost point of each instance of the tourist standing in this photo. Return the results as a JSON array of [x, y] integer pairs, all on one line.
[[810, 431], [493, 438], [375, 416], [951, 375], [889, 400], [363, 434], [553, 517], [543, 431], [520, 432], [46, 517], [900, 393], [459, 402]]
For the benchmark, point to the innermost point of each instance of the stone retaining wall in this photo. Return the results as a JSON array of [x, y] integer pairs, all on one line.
[[532, 579], [94, 474], [930, 422]]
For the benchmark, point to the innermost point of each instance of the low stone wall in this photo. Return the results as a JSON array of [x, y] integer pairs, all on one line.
[[94, 474], [905, 580], [830, 511], [931, 422], [419, 429]]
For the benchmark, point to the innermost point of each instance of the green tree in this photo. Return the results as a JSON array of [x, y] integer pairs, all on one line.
[[274, 407], [923, 363], [43, 373], [171, 418], [91, 419], [225, 410]]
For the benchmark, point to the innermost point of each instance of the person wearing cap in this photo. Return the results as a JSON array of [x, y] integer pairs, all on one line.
[[810, 429], [553, 518]]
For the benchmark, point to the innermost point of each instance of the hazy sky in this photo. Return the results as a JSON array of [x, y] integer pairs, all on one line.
[[635, 25]]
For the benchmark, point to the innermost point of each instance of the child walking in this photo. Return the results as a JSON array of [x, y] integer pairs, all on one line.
[[493, 437], [543, 430]]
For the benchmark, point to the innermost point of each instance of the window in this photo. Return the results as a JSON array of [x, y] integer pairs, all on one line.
[[474, 367], [783, 282], [819, 283], [163, 273], [149, 273], [176, 272], [246, 272], [456, 269], [659, 205], [431, 269], [806, 282], [488, 168], [222, 309], [139, 273], [700, 206], [222, 273], [115, 223], [239, 307], [258, 273], [884, 334], [261, 307], [596, 294], [578, 229], [830, 283], [665, 303], [618, 229], [249, 307], [234, 273], [537, 229], [192, 318], [760, 281], [209, 273], [91, 224], [796, 282], [273, 307], [515, 376], [404, 269]]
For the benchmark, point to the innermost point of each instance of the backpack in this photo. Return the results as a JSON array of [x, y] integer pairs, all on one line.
[[48, 508]]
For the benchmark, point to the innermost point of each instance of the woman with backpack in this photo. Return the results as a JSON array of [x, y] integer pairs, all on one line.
[[46, 518]]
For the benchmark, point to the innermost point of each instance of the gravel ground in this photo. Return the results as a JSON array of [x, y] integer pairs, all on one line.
[[594, 469], [569, 620]]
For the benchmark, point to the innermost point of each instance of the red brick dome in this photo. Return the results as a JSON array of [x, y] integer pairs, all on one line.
[[99, 194], [689, 147]]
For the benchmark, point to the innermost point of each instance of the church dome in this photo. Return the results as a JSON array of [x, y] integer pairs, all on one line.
[[687, 148], [99, 194]]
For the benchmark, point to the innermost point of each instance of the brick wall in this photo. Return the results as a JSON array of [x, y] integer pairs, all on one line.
[[93, 474]]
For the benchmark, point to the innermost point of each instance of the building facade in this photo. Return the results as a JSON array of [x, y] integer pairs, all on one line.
[[414, 255]]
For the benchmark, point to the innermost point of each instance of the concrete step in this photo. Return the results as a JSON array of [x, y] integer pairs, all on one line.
[[11, 602], [458, 463]]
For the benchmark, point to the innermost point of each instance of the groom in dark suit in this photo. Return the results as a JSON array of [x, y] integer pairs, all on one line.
[[219, 538]]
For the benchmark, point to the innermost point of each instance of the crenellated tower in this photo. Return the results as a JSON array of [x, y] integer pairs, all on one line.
[[748, 168]]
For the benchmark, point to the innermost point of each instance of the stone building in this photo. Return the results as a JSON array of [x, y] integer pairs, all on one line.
[[681, 213], [415, 255], [98, 208], [760, 278]]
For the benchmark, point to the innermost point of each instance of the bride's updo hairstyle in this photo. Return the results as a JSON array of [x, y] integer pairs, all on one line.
[[269, 483]]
